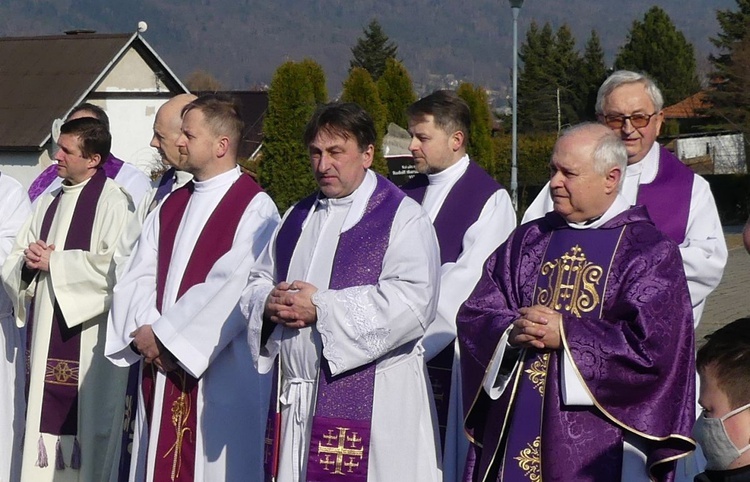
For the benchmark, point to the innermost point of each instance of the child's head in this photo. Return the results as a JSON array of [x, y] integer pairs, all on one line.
[[723, 363]]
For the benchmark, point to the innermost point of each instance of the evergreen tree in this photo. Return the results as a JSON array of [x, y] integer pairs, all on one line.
[[293, 96], [480, 146], [730, 96], [656, 47], [593, 73], [396, 92], [361, 89], [372, 50], [549, 77]]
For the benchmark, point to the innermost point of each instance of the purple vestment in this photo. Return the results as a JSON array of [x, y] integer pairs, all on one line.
[[634, 353], [459, 211], [667, 197]]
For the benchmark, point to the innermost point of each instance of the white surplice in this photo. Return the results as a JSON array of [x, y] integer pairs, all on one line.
[[457, 280], [704, 250], [204, 331], [14, 210], [81, 282], [356, 326]]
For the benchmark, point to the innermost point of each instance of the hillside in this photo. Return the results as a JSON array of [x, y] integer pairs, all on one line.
[[241, 42]]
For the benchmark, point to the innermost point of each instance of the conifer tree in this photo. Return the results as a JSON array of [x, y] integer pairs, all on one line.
[[396, 92], [372, 50], [656, 47], [479, 146], [593, 73], [293, 96], [361, 89]]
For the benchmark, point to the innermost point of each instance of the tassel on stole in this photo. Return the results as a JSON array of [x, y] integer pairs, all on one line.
[[41, 453]]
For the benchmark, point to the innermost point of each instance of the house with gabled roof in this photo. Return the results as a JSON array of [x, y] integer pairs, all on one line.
[[43, 78]]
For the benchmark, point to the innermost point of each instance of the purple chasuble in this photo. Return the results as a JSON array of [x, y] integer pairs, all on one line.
[[60, 396], [176, 442], [667, 197], [111, 168], [627, 326], [459, 211], [340, 439]]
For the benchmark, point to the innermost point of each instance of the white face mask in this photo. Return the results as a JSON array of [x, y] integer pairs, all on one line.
[[712, 436]]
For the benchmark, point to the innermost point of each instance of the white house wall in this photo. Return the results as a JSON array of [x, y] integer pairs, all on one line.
[[727, 151], [131, 74]]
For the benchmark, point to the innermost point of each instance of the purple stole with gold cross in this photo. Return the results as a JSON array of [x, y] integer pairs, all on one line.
[[340, 439], [459, 211], [60, 396], [571, 280], [176, 442]]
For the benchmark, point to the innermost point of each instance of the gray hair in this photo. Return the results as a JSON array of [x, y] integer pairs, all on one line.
[[609, 150], [622, 77]]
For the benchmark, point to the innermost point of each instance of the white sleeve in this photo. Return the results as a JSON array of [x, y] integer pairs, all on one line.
[[360, 324], [457, 280], [704, 250], [15, 209]]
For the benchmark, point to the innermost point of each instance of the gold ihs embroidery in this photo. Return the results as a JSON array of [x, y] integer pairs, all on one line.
[[537, 372], [571, 283], [530, 460]]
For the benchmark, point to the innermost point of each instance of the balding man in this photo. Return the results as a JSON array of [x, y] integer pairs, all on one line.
[[202, 405], [678, 201], [577, 343]]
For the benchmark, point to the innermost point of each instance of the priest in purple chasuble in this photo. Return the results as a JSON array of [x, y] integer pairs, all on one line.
[[14, 211], [201, 406], [472, 215], [134, 181], [577, 344], [336, 307], [679, 202], [61, 267]]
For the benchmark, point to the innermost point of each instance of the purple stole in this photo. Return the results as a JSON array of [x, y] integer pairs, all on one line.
[[340, 439], [60, 395], [111, 167], [667, 198], [175, 450], [459, 211], [572, 280]]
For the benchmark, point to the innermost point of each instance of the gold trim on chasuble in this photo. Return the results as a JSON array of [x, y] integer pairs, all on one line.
[[530, 460]]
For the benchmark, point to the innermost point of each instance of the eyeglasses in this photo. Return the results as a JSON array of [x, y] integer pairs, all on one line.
[[638, 121]]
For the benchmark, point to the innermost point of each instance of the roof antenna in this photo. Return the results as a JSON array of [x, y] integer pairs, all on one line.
[[142, 26]]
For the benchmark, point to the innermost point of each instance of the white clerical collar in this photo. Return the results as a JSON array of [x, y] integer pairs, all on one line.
[[357, 199], [182, 177], [619, 205], [451, 173], [218, 181], [647, 167], [68, 188]]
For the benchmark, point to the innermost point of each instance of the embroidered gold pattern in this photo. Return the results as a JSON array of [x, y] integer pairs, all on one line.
[[537, 372], [347, 458], [530, 460], [572, 281], [180, 412], [61, 372]]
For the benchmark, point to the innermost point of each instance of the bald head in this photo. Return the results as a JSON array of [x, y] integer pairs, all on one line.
[[167, 128]]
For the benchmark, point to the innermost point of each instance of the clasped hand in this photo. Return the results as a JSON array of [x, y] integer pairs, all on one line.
[[36, 256], [538, 327], [152, 350], [290, 304]]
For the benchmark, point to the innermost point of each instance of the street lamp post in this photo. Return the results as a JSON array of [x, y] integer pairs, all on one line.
[[515, 6]]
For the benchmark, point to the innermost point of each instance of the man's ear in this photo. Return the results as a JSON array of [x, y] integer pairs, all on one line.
[[222, 146], [94, 161], [457, 140], [369, 155], [612, 179]]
